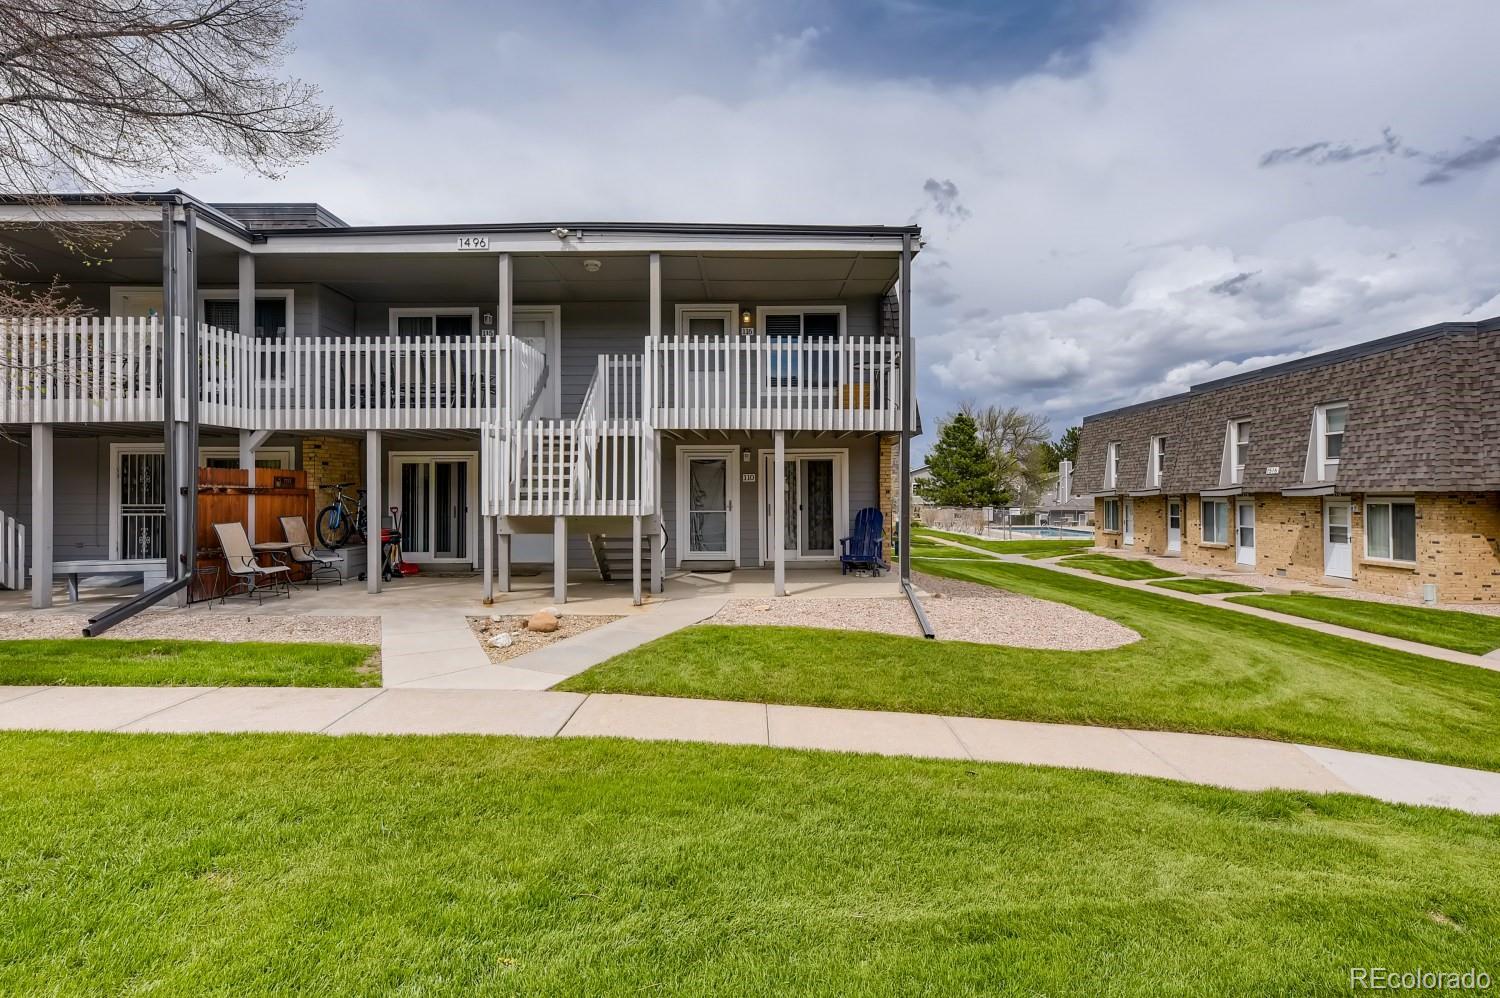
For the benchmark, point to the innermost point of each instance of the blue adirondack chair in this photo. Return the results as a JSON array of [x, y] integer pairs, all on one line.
[[863, 548]]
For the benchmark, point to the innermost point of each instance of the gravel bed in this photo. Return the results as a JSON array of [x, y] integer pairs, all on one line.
[[524, 641], [198, 625], [991, 617]]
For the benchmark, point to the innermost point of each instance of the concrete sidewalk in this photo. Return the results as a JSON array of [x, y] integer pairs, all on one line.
[[1237, 763], [1490, 661], [436, 649]]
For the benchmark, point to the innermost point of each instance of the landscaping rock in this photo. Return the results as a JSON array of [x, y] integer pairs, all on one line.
[[501, 640], [542, 622]]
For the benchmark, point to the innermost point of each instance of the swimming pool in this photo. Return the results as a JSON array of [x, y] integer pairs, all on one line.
[[1021, 533]]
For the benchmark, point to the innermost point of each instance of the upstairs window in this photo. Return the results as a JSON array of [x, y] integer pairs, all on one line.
[[1331, 420], [805, 341], [1237, 444], [1391, 529], [1158, 466], [1111, 465]]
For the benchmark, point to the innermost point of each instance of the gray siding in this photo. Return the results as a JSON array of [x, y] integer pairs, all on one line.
[[863, 466]]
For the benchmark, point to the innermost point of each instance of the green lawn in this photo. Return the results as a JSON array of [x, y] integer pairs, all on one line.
[[1117, 568], [1203, 587], [149, 662], [256, 864], [1474, 633], [1197, 668], [1036, 548]]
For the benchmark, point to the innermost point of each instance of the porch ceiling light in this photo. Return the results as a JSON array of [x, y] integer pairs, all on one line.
[[592, 266]]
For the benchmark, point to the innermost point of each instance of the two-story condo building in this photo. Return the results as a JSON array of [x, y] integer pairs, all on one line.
[[718, 396], [1376, 466]]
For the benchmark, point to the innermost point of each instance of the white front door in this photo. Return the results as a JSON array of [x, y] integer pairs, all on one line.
[[707, 520], [1244, 533], [540, 327], [1338, 557], [1128, 529], [436, 498], [1174, 526]]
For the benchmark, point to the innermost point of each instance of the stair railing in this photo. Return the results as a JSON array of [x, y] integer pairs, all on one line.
[[12, 552]]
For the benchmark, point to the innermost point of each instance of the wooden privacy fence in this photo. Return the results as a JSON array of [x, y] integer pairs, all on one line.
[[224, 497]]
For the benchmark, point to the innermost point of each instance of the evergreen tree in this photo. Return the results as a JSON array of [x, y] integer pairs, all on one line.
[[961, 470]]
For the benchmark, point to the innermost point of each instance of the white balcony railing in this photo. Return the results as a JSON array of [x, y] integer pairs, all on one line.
[[774, 383], [110, 370]]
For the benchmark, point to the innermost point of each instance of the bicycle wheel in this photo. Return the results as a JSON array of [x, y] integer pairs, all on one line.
[[333, 527]]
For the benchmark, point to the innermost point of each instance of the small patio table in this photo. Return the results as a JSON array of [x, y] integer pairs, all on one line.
[[278, 553]]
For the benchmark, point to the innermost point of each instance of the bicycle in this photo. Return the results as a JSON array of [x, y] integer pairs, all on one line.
[[342, 519]]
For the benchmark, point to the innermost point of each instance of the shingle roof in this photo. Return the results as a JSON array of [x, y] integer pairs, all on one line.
[[1424, 415]]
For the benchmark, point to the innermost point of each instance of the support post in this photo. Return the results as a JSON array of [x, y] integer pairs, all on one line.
[[778, 514], [559, 560], [655, 328], [908, 372], [247, 464], [635, 560], [658, 556], [503, 561], [41, 515], [506, 379], [170, 449], [488, 529], [375, 509], [188, 281], [247, 295]]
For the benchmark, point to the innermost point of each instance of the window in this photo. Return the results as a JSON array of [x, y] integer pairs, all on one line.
[[1112, 515], [1158, 465], [1215, 521], [1330, 422], [280, 458], [273, 313], [803, 337], [1111, 465], [1238, 444], [410, 323], [1391, 529]]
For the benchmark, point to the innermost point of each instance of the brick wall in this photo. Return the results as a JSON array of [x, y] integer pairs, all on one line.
[[1458, 543], [888, 486], [329, 461]]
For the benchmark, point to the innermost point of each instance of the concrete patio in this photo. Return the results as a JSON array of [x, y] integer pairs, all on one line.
[[426, 640]]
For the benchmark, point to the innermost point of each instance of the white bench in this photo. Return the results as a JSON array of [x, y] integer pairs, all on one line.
[[153, 570]]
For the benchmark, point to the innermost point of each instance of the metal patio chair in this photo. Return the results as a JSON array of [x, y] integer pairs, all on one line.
[[248, 577], [317, 564]]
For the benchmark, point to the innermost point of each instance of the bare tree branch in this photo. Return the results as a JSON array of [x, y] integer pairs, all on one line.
[[100, 95]]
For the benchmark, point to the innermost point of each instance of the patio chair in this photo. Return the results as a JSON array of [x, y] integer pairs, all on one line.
[[248, 576], [317, 564], [864, 547]]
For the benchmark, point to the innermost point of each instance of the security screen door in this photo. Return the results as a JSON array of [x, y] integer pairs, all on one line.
[[709, 506]]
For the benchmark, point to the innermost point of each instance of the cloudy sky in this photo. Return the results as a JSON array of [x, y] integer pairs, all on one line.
[[1120, 197]]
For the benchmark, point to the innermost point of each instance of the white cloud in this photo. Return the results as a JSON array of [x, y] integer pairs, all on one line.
[[1119, 237]]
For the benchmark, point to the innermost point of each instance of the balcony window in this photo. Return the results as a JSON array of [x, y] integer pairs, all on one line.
[[1391, 529], [805, 342], [1215, 521], [271, 321], [413, 323]]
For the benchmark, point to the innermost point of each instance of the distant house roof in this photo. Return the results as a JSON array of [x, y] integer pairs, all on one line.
[[275, 215], [1421, 418]]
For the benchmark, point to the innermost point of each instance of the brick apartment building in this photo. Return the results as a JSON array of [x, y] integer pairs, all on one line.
[[1377, 465]]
